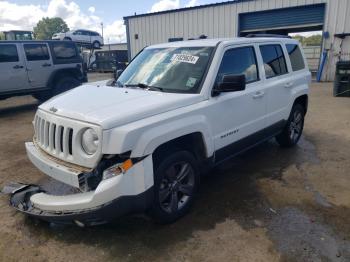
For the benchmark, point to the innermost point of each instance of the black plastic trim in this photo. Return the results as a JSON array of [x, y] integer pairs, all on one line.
[[248, 142], [74, 72]]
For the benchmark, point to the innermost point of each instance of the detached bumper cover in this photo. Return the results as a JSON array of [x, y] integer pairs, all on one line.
[[21, 194]]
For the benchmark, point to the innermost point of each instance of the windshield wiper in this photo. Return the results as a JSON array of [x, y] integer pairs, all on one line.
[[114, 83], [145, 86]]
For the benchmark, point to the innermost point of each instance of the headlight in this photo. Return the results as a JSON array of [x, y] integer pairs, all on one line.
[[90, 141]]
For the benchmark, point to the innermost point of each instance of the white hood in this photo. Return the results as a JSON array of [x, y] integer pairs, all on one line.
[[112, 106]]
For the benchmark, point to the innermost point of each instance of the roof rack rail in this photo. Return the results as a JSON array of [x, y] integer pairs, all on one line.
[[200, 37], [267, 35]]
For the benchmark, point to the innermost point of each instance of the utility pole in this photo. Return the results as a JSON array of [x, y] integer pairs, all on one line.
[[102, 29]]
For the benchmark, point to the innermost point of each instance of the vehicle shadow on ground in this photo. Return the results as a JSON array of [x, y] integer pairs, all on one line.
[[228, 192], [14, 110]]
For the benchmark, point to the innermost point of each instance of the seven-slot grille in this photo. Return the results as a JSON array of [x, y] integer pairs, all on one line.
[[60, 137], [53, 138]]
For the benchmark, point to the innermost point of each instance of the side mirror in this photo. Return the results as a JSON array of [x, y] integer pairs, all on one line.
[[117, 74], [230, 83]]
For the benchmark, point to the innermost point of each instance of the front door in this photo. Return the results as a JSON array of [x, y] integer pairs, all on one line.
[[39, 64], [237, 117], [13, 75]]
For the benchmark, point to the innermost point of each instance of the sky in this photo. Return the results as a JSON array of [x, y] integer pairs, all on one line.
[[88, 14]]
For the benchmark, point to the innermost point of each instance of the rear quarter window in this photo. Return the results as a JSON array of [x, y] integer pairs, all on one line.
[[274, 60], [296, 57], [8, 53], [64, 51]]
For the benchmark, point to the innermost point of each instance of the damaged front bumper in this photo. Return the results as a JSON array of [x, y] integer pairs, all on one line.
[[21, 195], [130, 191]]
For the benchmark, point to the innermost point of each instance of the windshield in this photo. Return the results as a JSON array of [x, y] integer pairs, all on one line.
[[179, 70]]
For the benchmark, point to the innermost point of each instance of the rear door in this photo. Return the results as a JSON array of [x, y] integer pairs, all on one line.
[[38, 63], [13, 75], [86, 36], [277, 82], [237, 117]]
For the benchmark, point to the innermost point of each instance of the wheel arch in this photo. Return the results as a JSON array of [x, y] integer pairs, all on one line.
[[71, 72], [193, 142], [302, 100]]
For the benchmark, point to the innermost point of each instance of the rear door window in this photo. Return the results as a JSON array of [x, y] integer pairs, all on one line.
[[274, 60], [295, 56], [239, 61], [8, 53], [63, 51], [36, 52]]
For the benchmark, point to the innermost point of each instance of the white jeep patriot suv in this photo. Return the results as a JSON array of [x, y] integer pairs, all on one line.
[[141, 142]]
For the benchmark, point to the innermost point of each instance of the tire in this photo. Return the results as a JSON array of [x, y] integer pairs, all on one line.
[[67, 39], [176, 179], [64, 84], [294, 127], [96, 45]]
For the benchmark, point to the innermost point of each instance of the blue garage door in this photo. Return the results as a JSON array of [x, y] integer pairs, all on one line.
[[308, 15]]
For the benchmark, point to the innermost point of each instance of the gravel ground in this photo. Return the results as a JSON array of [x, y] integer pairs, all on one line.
[[269, 204]]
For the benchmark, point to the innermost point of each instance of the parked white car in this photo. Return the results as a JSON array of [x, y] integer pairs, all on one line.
[[178, 109], [81, 36]]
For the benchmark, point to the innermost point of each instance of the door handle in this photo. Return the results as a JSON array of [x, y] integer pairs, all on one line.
[[288, 85], [17, 67], [45, 65], [258, 94]]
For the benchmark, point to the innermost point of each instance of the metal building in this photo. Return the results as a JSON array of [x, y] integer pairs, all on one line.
[[117, 46], [240, 17]]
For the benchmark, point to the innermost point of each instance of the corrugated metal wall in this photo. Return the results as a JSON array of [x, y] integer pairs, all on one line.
[[337, 21], [222, 21]]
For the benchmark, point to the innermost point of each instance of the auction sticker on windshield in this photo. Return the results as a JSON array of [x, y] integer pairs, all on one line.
[[185, 58]]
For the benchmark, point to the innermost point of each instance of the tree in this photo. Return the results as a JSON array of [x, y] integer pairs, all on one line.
[[46, 27], [312, 40], [2, 36]]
